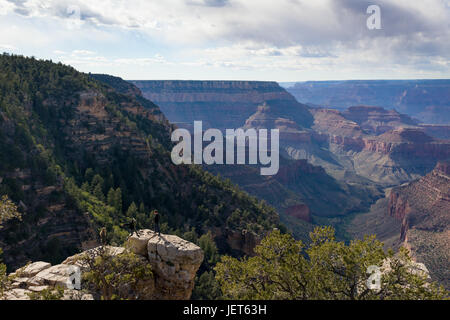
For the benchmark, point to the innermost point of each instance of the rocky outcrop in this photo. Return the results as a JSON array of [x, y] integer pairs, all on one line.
[[389, 151], [377, 120], [270, 117], [424, 203], [39, 276], [423, 208], [174, 263]]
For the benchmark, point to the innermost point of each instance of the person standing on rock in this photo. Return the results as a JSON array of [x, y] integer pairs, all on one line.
[[132, 226], [103, 238], [155, 212]]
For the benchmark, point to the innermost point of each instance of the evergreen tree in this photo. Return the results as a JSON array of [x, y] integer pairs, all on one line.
[[98, 192], [132, 210], [110, 198], [118, 200], [284, 268]]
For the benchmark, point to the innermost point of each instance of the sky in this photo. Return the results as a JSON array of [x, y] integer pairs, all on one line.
[[283, 40]]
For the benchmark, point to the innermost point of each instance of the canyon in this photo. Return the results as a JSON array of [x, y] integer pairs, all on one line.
[[426, 100], [338, 166], [80, 152]]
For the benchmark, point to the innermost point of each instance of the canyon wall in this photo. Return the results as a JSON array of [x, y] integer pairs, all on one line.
[[423, 208], [219, 104]]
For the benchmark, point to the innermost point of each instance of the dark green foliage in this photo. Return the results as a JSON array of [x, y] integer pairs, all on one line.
[[284, 268], [124, 276], [206, 287], [48, 294]]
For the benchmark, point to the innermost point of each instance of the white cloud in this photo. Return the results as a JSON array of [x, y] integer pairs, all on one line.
[[8, 47], [242, 34]]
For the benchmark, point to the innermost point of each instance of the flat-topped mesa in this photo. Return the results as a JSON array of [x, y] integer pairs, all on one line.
[[377, 120], [174, 262], [183, 102]]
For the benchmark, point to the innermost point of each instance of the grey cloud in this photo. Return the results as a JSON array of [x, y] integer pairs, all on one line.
[[60, 9], [405, 30], [396, 19], [20, 7], [22, 11], [208, 3]]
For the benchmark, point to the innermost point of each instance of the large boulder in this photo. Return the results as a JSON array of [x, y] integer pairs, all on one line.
[[174, 262]]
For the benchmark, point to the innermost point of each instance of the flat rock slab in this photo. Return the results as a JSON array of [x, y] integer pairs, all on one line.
[[137, 242], [17, 294], [77, 260], [57, 275], [38, 288], [34, 268], [174, 249]]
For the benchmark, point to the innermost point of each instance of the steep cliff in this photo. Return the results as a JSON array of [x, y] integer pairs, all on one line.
[[423, 208], [185, 101], [389, 150]]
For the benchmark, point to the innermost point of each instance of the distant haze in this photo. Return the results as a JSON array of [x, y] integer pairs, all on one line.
[[426, 100]]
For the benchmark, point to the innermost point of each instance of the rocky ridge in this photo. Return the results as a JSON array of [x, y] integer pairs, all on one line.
[[423, 208], [183, 102]]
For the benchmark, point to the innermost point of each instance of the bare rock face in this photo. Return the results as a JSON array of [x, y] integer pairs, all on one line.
[[39, 276], [381, 145], [423, 208], [34, 268], [137, 243], [174, 261], [76, 259], [185, 101]]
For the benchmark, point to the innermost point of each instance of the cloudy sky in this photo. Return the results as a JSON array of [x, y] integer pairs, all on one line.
[[283, 40]]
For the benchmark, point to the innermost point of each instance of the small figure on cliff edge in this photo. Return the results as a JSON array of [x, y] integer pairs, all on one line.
[[155, 212], [131, 225], [103, 238]]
